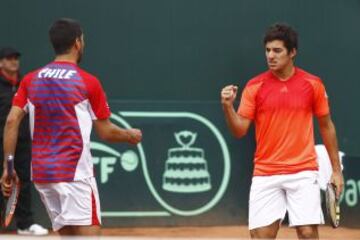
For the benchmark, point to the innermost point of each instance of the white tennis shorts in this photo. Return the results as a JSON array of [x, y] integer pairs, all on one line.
[[272, 196], [71, 203]]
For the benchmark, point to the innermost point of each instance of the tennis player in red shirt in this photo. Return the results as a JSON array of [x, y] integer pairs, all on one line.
[[63, 102], [282, 103]]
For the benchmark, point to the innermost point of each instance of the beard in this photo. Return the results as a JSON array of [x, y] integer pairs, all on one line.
[[79, 57]]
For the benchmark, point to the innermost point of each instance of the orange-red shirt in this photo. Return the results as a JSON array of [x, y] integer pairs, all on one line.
[[283, 115]]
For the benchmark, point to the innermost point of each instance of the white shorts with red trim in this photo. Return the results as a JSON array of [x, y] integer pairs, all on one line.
[[272, 196], [71, 203]]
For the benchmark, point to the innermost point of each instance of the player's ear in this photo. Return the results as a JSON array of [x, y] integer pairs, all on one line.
[[78, 43], [293, 52]]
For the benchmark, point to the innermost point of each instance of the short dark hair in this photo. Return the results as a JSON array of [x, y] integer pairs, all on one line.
[[63, 34], [283, 32]]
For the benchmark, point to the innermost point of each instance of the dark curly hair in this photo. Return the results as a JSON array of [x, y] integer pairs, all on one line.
[[283, 32]]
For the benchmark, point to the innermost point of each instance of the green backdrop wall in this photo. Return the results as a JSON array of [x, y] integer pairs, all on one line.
[[176, 55]]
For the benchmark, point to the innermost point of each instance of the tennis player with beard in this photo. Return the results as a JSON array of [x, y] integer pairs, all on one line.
[[63, 102], [282, 103]]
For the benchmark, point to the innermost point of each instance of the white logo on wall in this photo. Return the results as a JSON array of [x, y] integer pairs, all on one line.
[[129, 160], [186, 169]]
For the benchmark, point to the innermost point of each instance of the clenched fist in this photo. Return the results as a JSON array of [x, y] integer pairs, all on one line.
[[135, 135], [228, 94]]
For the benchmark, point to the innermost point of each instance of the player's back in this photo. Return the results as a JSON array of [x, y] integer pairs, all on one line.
[[61, 123]]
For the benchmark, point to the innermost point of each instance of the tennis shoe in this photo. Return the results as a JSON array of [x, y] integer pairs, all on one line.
[[33, 230]]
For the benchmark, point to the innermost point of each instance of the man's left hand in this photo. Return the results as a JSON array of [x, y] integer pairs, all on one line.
[[338, 180]]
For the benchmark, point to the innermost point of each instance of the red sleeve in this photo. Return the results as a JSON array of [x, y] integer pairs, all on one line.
[[97, 98], [247, 107], [21, 96], [320, 104]]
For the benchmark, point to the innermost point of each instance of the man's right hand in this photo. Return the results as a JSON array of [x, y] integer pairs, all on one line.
[[228, 94], [6, 183]]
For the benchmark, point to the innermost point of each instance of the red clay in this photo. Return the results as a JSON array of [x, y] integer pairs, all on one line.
[[225, 232]]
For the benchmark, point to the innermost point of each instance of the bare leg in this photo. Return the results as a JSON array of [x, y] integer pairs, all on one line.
[[66, 231], [267, 232], [80, 231], [307, 232], [87, 230]]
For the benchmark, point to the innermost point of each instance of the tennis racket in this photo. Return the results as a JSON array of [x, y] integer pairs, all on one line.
[[332, 205], [9, 203]]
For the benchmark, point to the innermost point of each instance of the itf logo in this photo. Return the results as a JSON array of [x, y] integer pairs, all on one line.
[[129, 160], [182, 166]]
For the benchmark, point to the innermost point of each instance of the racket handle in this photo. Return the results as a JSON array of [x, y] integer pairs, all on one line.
[[10, 165]]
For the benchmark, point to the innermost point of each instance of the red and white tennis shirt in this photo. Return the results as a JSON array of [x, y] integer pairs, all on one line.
[[62, 100]]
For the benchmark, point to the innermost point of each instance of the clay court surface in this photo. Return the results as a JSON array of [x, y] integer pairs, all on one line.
[[234, 232], [228, 232]]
